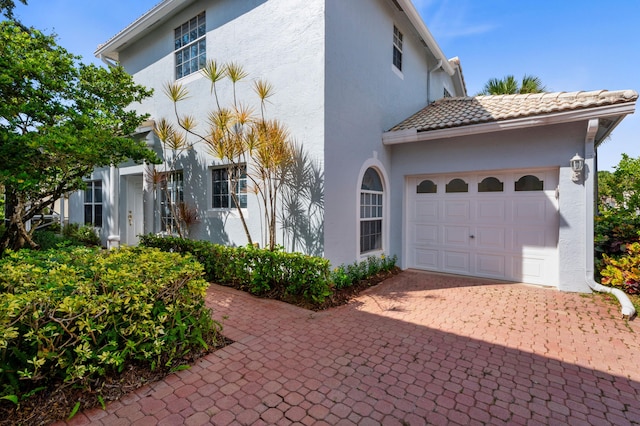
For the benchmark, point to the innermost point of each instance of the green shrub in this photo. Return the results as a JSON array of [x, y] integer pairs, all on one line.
[[346, 276], [613, 231], [73, 315], [81, 234], [260, 271], [47, 239], [623, 272]]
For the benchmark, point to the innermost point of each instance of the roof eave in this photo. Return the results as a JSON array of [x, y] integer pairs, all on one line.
[[417, 22], [111, 48], [618, 111]]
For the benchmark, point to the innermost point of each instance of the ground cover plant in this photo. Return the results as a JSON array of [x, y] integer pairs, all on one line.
[[80, 326]]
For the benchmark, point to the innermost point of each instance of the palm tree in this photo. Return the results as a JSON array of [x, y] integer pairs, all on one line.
[[510, 86]]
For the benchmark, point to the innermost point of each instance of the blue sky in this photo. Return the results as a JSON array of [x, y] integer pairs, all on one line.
[[570, 44]]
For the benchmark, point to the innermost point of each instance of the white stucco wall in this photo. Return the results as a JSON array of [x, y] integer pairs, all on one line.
[[271, 43], [539, 147], [365, 96]]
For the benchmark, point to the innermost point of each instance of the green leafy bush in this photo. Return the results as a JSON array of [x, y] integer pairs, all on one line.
[[71, 235], [73, 315], [347, 275], [85, 235], [276, 273], [613, 231], [623, 272]]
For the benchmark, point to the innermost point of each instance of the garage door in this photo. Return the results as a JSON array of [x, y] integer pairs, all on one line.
[[500, 225]]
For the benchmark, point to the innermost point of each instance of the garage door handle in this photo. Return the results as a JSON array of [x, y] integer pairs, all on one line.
[[472, 236]]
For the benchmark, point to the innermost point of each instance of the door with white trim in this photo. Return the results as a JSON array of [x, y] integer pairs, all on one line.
[[134, 220]]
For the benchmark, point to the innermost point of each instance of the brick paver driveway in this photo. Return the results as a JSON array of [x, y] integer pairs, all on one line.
[[418, 349]]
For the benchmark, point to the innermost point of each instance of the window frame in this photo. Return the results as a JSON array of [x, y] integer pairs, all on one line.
[[172, 184], [182, 46], [398, 39], [241, 190], [372, 213], [94, 187]]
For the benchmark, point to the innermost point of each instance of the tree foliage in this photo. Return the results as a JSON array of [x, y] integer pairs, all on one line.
[[508, 85], [620, 190], [7, 6], [59, 119], [618, 224]]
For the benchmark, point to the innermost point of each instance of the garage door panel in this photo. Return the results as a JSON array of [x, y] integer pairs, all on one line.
[[491, 238], [491, 265], [457, 210], [530, 269], [493, 211], [528, 238], [456, 262], [426, 210], [456, 235], [530, 211], [426, 234], [427, 258]]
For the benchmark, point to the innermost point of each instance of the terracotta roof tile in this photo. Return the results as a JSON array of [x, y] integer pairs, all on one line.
[[456, 112]]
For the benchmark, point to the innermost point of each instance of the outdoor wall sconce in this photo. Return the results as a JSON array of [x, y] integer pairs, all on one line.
[[577, 164]]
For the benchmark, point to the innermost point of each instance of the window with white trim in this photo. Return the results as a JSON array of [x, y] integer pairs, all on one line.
[[93, 203], [226, 181], [171, 197], [397, 48], [371, 212], [190, 46]]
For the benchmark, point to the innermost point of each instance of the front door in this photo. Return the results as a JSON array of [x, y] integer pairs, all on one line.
[[134, 220]]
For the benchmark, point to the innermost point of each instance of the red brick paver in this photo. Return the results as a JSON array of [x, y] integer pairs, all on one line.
[[418, 349]]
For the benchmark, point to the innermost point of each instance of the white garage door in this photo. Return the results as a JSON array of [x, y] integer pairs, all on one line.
[[498, 225]]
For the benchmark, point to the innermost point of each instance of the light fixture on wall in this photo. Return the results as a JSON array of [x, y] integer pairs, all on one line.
[[577, 165]]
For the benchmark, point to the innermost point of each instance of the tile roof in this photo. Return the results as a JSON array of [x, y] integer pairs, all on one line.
[[464, 111]]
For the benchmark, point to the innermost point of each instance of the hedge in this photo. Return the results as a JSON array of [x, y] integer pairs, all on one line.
[[260, 271]]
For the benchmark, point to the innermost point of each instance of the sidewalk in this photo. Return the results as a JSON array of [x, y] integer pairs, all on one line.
[[418, 349]]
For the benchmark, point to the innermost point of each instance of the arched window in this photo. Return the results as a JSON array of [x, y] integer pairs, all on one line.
[[427, 187], [490, 184], [529, 183], [457, 185], [371, 216]]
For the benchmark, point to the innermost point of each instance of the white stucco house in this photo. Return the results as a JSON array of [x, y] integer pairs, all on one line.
[[412, 166]]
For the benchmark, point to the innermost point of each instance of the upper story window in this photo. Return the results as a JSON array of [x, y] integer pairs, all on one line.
[[397, 48], [229, 184], [446, 93], [93, 203], [190, 46]]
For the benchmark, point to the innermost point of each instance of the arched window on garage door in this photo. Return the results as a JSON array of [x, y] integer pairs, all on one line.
[[490, 184], [427, 187], [529, 183], [371, 212], [457, 185]]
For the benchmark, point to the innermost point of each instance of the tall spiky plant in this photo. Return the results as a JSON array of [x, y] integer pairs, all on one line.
[[238, 136]]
